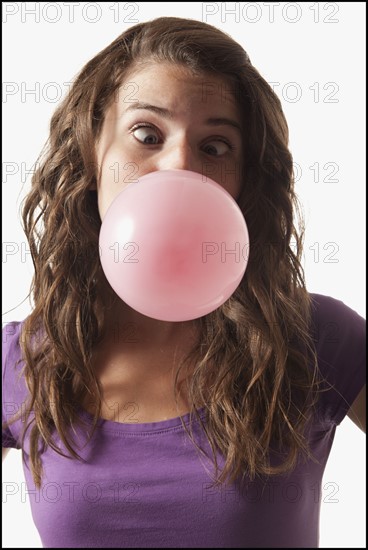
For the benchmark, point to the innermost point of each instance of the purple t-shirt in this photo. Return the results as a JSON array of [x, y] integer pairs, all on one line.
[[146, 486]]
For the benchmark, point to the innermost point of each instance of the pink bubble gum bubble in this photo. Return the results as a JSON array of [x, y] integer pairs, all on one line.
[[174, 245]]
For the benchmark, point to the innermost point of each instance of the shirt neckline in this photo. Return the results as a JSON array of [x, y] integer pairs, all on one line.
[[141, 427]]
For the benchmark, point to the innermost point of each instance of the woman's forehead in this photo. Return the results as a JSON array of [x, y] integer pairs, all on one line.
[[175, 88]]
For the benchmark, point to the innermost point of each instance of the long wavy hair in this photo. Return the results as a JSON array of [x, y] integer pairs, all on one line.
[[256, 367]]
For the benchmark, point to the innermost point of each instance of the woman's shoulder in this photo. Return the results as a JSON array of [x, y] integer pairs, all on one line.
[[324, 303], [11, 334], [14, 390], [339, 334], [14, 386], [334, 321]]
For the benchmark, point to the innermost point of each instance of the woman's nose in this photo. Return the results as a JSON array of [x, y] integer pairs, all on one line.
[[179, 156]]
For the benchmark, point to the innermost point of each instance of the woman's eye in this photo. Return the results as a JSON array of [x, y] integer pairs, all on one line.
[[146, 134], [217, 148]]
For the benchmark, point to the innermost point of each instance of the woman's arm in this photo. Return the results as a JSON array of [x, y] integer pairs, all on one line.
[[5, 452], [357, 412]]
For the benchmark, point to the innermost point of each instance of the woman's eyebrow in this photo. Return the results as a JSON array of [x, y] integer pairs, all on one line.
[[166, 113]]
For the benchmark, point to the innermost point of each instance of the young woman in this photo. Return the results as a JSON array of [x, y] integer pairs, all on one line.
[[212, 432]]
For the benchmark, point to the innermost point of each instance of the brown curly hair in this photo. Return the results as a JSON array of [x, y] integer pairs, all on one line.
[[263, 390]]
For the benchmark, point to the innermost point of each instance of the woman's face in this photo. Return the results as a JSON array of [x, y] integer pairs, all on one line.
[[165, 118]]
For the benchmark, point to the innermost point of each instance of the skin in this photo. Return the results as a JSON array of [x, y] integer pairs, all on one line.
[[184, 141]]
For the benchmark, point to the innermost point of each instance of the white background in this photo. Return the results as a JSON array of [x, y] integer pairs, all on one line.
[[314, 55]]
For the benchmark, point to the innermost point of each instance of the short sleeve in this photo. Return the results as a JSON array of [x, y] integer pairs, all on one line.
[[13, 391], [340, 338]]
